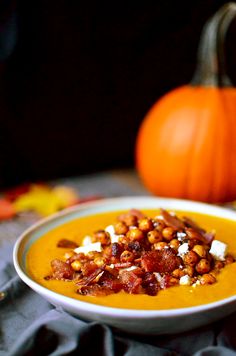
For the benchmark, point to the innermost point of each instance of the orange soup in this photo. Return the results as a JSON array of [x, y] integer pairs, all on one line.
[[45, 249]]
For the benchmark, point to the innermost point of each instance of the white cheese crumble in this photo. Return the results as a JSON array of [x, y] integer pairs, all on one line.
[[197, 283], [96, 246], [87, 240], [185, 280], [218, 250], [158, 276], [159, 217], [111, 230], [183, 249], [181, 235]]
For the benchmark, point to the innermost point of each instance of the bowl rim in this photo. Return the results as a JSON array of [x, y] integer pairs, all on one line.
[[121, 313]]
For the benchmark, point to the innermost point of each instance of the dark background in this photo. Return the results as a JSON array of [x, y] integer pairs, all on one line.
[[81, 76]]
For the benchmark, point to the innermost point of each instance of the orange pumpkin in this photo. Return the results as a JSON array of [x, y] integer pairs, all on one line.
[[186, 145]]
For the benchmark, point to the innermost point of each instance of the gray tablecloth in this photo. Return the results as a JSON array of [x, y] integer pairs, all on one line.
[[31, 326]]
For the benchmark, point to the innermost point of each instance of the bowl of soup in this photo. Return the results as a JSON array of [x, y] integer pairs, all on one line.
[[140, 264]]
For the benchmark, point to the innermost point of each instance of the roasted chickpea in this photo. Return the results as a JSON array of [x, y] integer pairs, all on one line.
[[68, 254], [191, 258], [154, 236], [124, 241], [207, 279], [135, 234], [78, 256], [159, 225], [121, 228], [214, 272], [189, 270], [130, 220], [178, 273], [229, 259], [168, 233], [174, 243], [200, 250], [107, 252], [173, 281], [100, 261], [127, 256], [160, 245], [145, 224], [102, 236], [76, 265], [93, 254], [203, 266], [192, 243]]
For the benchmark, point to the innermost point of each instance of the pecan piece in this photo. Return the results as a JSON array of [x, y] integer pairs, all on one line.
[[65, 243]]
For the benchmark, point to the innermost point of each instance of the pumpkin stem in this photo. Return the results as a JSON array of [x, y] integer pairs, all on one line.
[[211, 59]]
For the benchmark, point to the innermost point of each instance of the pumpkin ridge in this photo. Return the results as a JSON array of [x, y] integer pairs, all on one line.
[[216, 152], [224, 146], [191, 153], [199, 167]]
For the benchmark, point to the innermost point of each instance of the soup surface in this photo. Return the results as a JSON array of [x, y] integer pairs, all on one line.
[[44, 250]]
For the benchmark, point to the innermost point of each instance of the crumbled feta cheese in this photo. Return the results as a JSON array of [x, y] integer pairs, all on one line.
[[181, 235], [197, 283], [183, 249], [96, 246], [112, 265], [110, 229], [158, 276], [185, 280], [159, 217], [218, 250], [115, 238], [87, 240]]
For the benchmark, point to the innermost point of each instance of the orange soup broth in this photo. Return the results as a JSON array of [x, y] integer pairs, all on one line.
[[45, 249]]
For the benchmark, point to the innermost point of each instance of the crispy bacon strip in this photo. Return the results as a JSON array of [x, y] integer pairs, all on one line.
[[190, 223], [90, 279], [61, 270], [94, 290], [172, 220], [162, 261]]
